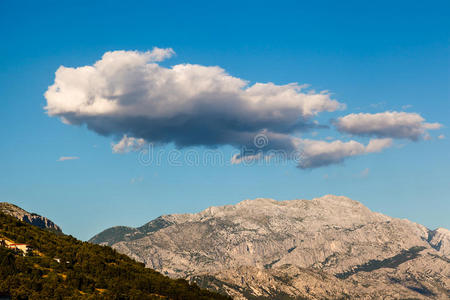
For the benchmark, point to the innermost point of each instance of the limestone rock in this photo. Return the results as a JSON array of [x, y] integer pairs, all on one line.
[[326, 248]]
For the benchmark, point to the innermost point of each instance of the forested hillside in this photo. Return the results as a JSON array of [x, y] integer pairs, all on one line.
[[61, 266]]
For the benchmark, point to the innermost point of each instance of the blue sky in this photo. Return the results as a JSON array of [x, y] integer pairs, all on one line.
[[374, 57]]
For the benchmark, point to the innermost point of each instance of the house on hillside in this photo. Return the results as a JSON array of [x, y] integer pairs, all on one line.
[[24, 248], [21, 247]]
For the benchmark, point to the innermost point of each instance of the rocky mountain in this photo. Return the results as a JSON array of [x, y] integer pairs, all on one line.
[[326, 248], [31, 218]]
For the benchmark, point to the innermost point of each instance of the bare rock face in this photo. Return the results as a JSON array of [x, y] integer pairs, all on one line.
[[326, 248], [31, 218], [439, 239]]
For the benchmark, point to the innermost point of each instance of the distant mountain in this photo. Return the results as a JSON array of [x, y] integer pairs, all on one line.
[[31, 218], [57, 266], [326, 248]]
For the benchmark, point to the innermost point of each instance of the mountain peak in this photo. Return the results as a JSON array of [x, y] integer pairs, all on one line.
[[259, 202], [442, 230], [336, 198], [31, 218], [6, 206], [335, 235]]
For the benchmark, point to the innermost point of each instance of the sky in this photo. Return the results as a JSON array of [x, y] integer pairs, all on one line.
[[117, 112]]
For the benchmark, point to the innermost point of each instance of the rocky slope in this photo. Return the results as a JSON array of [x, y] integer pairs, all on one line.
[[31, 218], [329, 247]]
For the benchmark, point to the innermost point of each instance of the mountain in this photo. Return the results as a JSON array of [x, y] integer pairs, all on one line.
[[31, 218], [57, 266], [326, 248]]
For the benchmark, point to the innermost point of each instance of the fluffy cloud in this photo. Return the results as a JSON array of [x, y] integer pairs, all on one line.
[[316, 153], [386, 124], [377, 145], [311, 154], [127, 144], [127, 93]]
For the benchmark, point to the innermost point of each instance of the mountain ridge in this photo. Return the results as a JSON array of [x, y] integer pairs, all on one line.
[[30, 218], [330, 234]]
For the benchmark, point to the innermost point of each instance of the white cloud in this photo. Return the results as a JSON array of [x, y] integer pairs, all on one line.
[[158, 54], [128, 93], [321, 153], [129, 96], [386, 124], [64, 158], [127, 144], [311, 154], [377, 145]]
